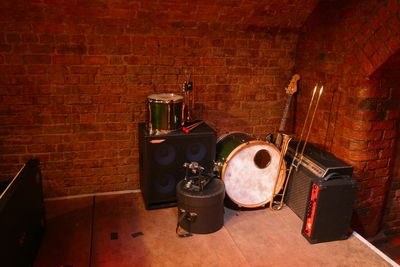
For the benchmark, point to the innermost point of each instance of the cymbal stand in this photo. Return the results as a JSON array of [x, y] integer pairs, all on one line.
[[189, 98]]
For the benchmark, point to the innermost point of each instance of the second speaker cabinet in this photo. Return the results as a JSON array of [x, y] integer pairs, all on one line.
[[322, 193], [162, 158]]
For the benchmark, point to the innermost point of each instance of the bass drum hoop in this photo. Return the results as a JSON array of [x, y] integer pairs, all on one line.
[[282, 176], [222, 137]]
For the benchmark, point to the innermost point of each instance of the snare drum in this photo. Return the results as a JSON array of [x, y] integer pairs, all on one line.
[[165, 112], [249, 169]]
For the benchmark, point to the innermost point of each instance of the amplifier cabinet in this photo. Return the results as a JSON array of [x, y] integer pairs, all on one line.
[[22, 216], [329, 209], [322, 193], [162, 158]]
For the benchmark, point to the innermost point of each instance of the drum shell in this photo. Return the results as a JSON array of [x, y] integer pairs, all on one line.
[[227, 143], [164, 114], [207, 204]]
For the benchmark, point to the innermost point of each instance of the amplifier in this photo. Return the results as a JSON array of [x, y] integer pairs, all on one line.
[[161, 159], [321, 192], [22, 216]]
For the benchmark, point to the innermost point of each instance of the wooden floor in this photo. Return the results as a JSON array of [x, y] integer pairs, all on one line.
[[117, 230]]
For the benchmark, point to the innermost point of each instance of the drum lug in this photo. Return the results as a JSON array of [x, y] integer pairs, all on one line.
[[268, 137], [220, 164], [218, 167]]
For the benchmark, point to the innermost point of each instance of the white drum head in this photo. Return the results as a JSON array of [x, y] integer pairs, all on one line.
[[248, 182], [165, 98]]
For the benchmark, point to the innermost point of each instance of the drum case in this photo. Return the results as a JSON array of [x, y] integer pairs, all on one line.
[[204, 210]]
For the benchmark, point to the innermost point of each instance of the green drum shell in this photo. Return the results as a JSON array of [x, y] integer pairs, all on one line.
[[164, 114], [227, 143]]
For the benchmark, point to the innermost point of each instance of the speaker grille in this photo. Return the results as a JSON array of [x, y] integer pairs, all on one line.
[[164, 154], [164, 183], [298, 190], [196, 151]]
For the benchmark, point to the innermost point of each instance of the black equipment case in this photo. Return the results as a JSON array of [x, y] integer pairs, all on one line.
[[22, 216], [329, 210], [201, 212]]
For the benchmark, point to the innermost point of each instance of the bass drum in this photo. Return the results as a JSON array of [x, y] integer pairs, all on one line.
[[249, 169]]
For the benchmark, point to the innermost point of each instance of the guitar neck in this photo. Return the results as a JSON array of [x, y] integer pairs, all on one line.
[[285, 113]]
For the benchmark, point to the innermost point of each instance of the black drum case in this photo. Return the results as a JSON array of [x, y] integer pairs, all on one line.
[[202, 212]]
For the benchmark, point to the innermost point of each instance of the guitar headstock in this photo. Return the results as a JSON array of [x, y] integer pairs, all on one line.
[[292, 87]]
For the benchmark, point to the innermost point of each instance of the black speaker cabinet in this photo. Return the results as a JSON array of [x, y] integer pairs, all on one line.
[[22, 216], [162, 158], [322, 193]]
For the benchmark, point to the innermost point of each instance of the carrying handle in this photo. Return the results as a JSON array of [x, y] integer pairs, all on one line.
[[334, 175], [190, 217]]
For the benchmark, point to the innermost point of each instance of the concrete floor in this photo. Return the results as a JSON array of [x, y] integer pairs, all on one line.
[[117, 230]]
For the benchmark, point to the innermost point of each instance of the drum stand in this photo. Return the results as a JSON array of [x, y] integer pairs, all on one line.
[[189, 101], [189, 98]]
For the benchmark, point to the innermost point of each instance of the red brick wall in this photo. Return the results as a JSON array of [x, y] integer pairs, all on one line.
[[74, 76], [342, 45], [391, 219], [389, 75]]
